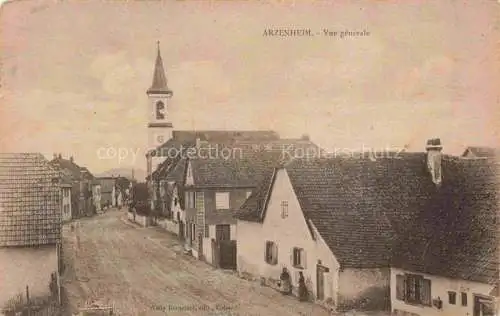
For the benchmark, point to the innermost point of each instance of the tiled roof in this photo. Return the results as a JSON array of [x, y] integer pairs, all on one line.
[[370, 211], [481, 152], [223, 135], [245, 171], [30, 209], [70, 168], [455, 234]]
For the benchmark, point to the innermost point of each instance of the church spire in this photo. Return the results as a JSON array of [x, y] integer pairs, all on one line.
[[159, 84]]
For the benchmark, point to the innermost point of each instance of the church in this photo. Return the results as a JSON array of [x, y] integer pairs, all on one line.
[[194, 195]]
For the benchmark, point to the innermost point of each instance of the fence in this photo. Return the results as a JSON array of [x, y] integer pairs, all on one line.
[[25, 305]]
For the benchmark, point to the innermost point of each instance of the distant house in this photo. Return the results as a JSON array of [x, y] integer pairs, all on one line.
[[66, 186], [96, 194], [107, 189], [81, 192], [480, 152], [30, 213], [364, 230]]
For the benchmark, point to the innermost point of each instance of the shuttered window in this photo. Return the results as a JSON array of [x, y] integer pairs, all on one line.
[[425, 287], [400, 287], [413, 289], [298, 258], [207, 231], [271, 253]]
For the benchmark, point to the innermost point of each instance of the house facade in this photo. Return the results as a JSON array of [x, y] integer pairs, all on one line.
[[66, 202], [96, 195], [275, 231], [81, 191], [30, 204], [440, 295], [107, 185]]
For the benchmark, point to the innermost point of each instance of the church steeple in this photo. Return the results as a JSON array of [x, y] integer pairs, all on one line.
[[159, 85]]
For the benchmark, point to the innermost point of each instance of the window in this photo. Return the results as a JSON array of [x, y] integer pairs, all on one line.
[[464, 299], [413, 289], [400, 287], [284, 209], [207, 232], [176, 201], [200, 201], [222, 200], [193, 232], [298, 258], [248, 194], [190, 199], [271, 255], [160, 110], [452, 297]]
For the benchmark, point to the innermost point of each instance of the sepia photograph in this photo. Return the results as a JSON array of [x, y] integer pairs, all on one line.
[[260, 158]]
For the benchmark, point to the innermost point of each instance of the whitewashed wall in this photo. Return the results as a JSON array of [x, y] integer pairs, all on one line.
[[287, 233], [21, 267], [439, 288]]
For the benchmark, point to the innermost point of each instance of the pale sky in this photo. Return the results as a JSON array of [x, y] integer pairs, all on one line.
[[75, 74]]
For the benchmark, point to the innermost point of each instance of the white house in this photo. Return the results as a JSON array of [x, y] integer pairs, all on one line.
[[291, 221], [30, 208]]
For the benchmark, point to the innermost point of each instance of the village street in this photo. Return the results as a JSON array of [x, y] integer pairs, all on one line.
[[142, 271]]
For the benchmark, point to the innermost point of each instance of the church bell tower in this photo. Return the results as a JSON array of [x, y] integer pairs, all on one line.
[[159, 124]]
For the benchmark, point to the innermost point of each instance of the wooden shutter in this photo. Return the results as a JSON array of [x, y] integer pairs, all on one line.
[[400, 287], [275, 253], [303, 259], [267, 252], [425, 295]]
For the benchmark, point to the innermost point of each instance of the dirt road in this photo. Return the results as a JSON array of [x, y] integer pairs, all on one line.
[[142, 271]]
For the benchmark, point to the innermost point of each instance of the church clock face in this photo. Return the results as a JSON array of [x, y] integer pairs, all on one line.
[[160, 139]]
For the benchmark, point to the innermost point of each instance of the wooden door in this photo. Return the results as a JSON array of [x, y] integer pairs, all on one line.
[[320, 281], [222, 232], [483, 306]]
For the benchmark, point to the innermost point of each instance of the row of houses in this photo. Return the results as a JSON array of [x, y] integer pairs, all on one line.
[[415, 233], [85, 194]]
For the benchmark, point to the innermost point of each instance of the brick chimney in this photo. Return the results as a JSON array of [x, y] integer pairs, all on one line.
[[434, 159]]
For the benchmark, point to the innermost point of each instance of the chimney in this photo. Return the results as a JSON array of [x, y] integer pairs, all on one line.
[[434, 159], [71, 158], [60, 156], [198, 143], [304, 137]]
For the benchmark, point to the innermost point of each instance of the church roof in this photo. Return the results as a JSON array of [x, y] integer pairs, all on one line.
[[159, 84]]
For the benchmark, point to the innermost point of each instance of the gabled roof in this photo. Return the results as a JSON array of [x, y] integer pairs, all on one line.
[[372, 212], [30, 209], [244, 171], [480, 152], [71, 169]]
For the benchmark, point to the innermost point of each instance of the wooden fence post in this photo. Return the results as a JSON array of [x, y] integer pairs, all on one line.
[[28, 304]]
